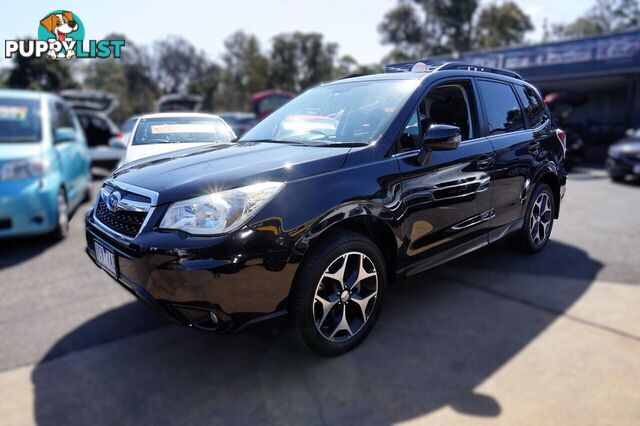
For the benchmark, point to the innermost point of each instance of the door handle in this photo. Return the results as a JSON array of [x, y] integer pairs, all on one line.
[[534, 147], [484, 161]]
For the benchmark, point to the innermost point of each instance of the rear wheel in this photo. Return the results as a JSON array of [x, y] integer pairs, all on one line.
[[338, 292], [62, 217], [538, 221]]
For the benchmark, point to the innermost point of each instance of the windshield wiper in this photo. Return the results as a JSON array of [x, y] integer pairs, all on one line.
[[341, 144], [311, 143], [273, 141]]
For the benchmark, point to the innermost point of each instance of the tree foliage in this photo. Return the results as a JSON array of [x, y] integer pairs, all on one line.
[[246, 70], [606, 16], [501, 25], [40, 74], [301, 60], [436, 27]]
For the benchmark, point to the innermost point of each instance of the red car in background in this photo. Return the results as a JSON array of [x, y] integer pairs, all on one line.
[[265, 102]]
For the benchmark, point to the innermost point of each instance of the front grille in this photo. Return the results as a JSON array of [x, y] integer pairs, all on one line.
[[125, 222], [632, 158]]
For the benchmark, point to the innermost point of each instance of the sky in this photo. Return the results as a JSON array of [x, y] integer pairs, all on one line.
[[351, 23]]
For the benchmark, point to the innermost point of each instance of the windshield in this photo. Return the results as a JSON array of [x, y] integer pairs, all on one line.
[[351, 112], [128, 126], [19, 120], [182, 130]]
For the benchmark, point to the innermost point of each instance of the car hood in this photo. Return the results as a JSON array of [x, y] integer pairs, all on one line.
[[631, 145], [137, 152], [193, 172], [18, 151]]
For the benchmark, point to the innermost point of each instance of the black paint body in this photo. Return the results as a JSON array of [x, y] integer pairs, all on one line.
[[420, 215]]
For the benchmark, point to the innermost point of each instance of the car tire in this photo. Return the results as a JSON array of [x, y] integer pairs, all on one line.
[[617, 178], [88, 196], [61, 230], [338, 292], [538, 221]]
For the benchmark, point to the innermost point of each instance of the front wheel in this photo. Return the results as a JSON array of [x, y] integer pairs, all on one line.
[[338, 292], [62, 217], [538, 221]]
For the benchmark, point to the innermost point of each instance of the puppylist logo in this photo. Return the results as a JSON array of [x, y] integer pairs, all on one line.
[[61, 36]]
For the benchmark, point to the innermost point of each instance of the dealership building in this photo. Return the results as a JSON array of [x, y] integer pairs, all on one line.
[[604, 71]]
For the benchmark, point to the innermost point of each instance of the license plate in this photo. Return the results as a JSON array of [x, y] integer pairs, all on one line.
[[636, 169], [106, 259]]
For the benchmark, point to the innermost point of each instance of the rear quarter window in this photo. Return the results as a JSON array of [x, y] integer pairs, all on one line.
[[534, 108], [503, 111]]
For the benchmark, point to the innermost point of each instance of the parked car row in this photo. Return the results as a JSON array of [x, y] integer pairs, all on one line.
[[623, 157], [44, 164], [102, 135], [48, 144]]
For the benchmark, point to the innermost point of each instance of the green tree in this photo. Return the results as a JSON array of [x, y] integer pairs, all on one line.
[[301, 60], [246, 71], [436, 27], [4, 76], [606, 16], [177, 64], [403, 28], [347, 65], [501, 25], [429, 27], [108, 75], [40, 74], [129, 78], [142, 89], [207, 85]]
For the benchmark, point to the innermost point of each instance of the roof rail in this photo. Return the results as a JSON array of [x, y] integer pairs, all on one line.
[[408, 66], [471, 67], [431, 66], [353, 75]]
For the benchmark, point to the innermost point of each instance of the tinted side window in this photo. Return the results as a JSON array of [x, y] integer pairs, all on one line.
[[503, 111], [533, 106], [63, 115]]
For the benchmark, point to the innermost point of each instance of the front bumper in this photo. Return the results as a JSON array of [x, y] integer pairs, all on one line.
[[27, 207], [241, 278], [623, 165]]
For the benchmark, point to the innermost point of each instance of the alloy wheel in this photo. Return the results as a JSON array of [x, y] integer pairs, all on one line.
[[540, 219], [345, 296], [63, 212]]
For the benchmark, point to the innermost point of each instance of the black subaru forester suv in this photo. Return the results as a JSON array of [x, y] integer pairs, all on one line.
[[348, 187]]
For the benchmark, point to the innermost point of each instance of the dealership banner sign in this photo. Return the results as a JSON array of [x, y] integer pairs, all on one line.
[[595, 55], [61, 36]]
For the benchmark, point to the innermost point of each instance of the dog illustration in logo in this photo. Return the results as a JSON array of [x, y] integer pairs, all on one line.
[[61, 25]]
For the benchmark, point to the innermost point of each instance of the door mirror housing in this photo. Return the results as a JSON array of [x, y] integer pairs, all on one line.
[[439, 137], [64, 134], [118, 143], [442, 137]]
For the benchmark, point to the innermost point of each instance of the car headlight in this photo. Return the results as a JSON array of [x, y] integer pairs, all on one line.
[[219, 212], [22, 169]]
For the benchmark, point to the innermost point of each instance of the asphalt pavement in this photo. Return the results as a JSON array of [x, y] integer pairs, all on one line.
[[495, 336]]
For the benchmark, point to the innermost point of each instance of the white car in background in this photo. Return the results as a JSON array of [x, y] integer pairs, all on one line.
[[160, 133]]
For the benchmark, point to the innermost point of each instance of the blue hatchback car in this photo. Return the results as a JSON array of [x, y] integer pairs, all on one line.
[[44, 164]]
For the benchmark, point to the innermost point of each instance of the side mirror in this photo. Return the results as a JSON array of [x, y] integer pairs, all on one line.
[[117, 143], [64, 134], [439, 137]]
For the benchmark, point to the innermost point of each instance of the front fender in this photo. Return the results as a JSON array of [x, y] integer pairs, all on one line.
[[368, 212]]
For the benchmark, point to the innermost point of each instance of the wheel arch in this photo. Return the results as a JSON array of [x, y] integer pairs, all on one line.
[[370, 220], [550, 177]]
